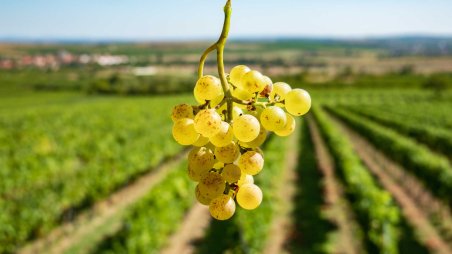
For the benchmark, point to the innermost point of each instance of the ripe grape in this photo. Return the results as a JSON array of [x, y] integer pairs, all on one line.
[[231, 173], [289, 128], [224, 136], [241, 94], [200, 161], [237, 73], [222, 207], [228, 153], [246, 128], [207, 122], [279, 92], [268, 87], [251, 162], [249, 196], [211, 185], [203, 199], [182, 111], [184, 132], [258, 141], [252, 82], [298, 102], [245, 179], [273, 118], [208, 88], [202, 141]]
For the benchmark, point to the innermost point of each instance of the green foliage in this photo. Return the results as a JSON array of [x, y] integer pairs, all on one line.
[[432, 169], [377, 212], [57, 160], [438, 83], [148, 223]]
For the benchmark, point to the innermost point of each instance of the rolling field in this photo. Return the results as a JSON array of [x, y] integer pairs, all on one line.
[[369, 171]]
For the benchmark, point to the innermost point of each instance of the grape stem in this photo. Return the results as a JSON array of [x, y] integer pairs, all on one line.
[[219, 47]]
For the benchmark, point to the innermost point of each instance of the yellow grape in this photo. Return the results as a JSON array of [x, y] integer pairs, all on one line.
[[218, 165], [289, 128], [252, 82], [216, 101], [257, 141], [202, 141], [246, 128], [251, 163], [237, 73], [223, 137], [231, 173], [228, 153], [182, 111], [273, 118], [211, 185], [222, 207], [203, 199], [245, 179], [236, 112], [279, 92], [208, 88], [298, 102], [268, 87], [200, 161], [207, 122], [184, 132], [241, 94], [249, 196]]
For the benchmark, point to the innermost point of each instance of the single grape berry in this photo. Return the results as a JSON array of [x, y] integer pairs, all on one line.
[[249, 196]]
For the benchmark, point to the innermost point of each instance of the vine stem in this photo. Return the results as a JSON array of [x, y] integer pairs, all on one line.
[[219, 47]]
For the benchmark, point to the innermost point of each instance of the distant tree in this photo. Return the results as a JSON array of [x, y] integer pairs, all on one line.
[[437, 83], [407, 69]]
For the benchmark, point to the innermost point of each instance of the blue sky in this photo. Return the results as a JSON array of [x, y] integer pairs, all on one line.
[[202, 19]]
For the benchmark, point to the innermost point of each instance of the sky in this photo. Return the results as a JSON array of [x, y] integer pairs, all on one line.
[[202, 19]]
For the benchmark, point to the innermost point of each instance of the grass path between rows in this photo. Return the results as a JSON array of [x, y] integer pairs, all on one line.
[[336, 206], [380, 166], [102, 218]]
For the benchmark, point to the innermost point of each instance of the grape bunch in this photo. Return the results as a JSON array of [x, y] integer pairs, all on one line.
[[226, 129]]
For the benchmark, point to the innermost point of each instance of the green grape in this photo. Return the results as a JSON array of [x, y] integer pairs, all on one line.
[[289, 128], [273, 118], [242, 94], [222, 207], [200, 161], [246, 128], [251, 163], [249, 196], [298, 102], [227, 154], [203, 199], [237, 73], [207, 122], [208, 88], [184, 132], [223, 137], [182, 111], [252, 82], [279, 92], [202, 141], [211, 185], [257, 141], [231, 173], [245, 179]]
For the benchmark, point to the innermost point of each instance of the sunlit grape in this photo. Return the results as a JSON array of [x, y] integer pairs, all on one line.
[[202, 141], [224, 136], [249, 196], [208, 88], [184, 132], [246, 128], [200, 161], [237, 73], [252, 82], [258, 141], [227, 154], [289, 128], [242, 94], [298, 102], [251, 163], [182, 111], [207, 122], [211, 185], [222, 207], [244, 179], [273, 118], [231, 173], [279, 92], [203, 199]]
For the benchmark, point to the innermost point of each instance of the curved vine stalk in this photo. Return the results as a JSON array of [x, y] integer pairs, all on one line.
[[219, 47]]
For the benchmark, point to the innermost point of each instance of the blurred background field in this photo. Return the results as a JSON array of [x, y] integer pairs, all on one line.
[[88, 163]]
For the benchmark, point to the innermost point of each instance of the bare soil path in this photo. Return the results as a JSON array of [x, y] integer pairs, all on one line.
[[102, 218], [335, 204], [403, 188], [192, 229]]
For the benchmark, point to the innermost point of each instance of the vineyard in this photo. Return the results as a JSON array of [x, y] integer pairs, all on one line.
[[367, 172]]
